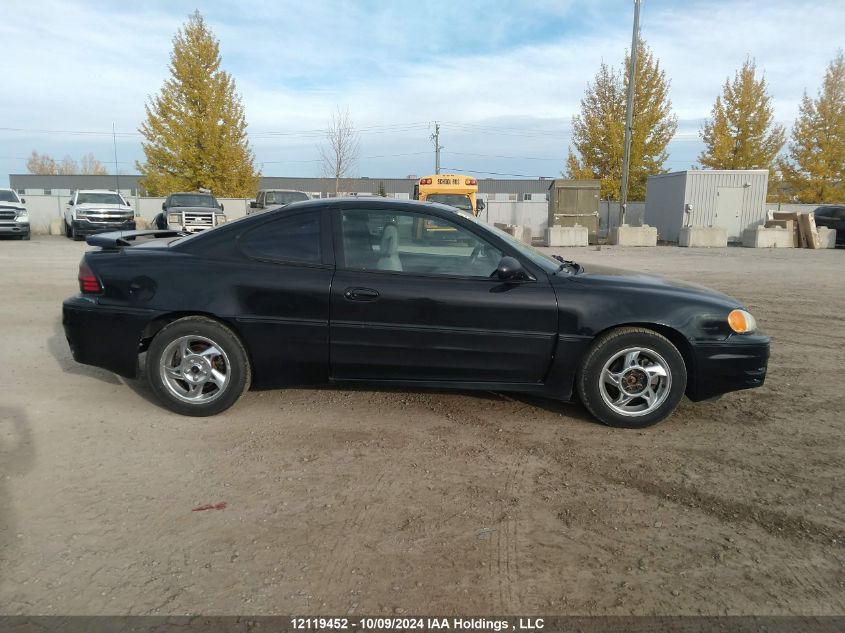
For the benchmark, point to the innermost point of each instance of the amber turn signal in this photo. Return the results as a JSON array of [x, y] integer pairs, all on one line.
[[741, 322]]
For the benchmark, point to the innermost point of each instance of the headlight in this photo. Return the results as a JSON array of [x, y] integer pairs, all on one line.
[[221, 219], [742, 322], [22, 216], [174, 218]]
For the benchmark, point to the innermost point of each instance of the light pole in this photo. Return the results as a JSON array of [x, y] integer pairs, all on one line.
[[629, 114]]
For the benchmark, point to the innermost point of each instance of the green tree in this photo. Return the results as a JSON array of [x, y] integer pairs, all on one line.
[[195, 132], [598, 132], [814, 170], [741, 133]]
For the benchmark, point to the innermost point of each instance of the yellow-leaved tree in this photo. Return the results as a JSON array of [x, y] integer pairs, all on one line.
[[195, 132], [598, 132], [742, 133], [815, 168]]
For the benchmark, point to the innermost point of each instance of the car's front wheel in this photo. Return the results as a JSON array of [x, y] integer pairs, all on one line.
[[197, 366], [632, 377]]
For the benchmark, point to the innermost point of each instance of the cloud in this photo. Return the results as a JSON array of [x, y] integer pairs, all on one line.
[[504, 77]]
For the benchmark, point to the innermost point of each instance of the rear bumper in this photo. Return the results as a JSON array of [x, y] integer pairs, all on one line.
[[738, 363], [84, 227], [103, 336]]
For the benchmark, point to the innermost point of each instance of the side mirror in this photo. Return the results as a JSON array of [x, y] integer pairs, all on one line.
[[479, 205], [510, 269], [253, 204], [70, 202], [221, 206], [163, 206]]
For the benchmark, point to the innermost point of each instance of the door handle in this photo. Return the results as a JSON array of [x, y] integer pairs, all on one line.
[[361, 294]]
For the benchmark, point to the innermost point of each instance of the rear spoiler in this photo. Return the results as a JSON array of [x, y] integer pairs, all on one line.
[[125, 238]]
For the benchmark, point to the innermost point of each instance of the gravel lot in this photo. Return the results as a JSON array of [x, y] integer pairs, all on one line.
[[378, 502]]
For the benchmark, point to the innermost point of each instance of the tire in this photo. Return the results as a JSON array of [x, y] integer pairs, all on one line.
[[67, 228], [182, 377], [645, 380], [25, 238], [73, 234]]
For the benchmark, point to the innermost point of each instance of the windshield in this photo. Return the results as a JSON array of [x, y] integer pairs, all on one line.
[[546, 262], [7, 195], [458, 200], [284, 197], [99, 198], [192, 200]]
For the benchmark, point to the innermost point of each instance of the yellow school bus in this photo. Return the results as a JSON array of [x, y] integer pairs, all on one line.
[[455, 190]]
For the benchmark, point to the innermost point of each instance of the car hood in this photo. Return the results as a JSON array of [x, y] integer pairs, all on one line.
[[92, 206], [193, 210], [598, 275], [12, 205]]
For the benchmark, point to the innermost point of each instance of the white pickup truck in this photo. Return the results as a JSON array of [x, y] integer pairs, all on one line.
[[91, 211], [14, 220]]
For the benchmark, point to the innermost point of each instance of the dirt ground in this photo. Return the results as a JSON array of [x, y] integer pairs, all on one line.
[[359, 501]]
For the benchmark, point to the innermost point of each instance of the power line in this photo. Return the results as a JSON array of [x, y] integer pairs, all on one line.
[[557, 160], [493, 173]]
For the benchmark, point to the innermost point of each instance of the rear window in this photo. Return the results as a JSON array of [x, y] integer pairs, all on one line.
[[287, 239]]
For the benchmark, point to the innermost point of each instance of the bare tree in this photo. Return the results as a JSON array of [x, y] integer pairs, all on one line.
[[340, 153], [40, 164], [68, 166], [90, 165]]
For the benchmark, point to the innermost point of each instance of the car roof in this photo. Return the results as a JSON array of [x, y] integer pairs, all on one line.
[[190, 193], [95, 191], [282, 190], [369, 202]]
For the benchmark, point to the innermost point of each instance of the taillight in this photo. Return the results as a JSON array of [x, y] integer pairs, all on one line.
[[471, 181], [88, 282]]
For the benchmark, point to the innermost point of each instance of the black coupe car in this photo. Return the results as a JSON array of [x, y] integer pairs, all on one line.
[[399, 293], [833, 217]]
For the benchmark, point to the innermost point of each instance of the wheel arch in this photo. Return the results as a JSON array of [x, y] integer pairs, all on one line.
[[154, 326], [675, 337]]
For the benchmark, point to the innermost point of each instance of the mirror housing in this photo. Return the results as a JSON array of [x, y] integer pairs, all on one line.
[[163, 206], [253, 204], [23, 200], [479, 206], [70, 202], [221, 206], [510, 269]]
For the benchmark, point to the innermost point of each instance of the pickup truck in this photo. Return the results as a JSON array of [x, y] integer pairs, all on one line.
[[91, 211], [14, 220], [190, 211], [273, 198]]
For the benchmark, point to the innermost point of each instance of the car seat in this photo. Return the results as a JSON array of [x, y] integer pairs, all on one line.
[[389, 248]]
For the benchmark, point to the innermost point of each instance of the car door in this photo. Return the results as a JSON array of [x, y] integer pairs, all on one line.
[[282, 296], [413, 299]]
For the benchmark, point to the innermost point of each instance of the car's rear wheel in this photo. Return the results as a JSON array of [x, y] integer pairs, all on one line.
[[632, 377], [197, 366]]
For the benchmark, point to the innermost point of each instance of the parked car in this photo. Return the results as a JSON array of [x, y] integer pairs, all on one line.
[[308, 294], [272, 198], [91, 211], [190, 212], [14, 219], [833, 217]]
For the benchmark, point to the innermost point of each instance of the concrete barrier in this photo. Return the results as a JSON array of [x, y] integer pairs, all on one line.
[[57, 227], [827, 237], [627, 235], [703, 237], [522, 233], [567, 236], [762, 237]]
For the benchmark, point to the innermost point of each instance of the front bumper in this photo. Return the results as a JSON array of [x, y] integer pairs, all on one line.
[[103, 336], [85, 227], [14, 228], [740, 362]]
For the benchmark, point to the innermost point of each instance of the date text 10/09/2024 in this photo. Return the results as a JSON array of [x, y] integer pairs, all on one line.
[[412, 623]]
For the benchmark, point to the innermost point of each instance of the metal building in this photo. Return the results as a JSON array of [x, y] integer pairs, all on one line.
[[574, 202], [731, 199]]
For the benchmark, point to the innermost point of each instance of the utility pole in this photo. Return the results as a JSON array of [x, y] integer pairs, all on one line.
[[437, 147], [116, 170], [629, 114]]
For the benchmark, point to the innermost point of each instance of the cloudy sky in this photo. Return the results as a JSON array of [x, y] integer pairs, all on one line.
[[503, 77]]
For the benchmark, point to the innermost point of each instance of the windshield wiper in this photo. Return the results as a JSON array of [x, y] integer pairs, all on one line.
[[575, 267]]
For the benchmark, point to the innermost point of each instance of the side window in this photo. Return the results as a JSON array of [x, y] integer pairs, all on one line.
[[295, 238], [414, 243]]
